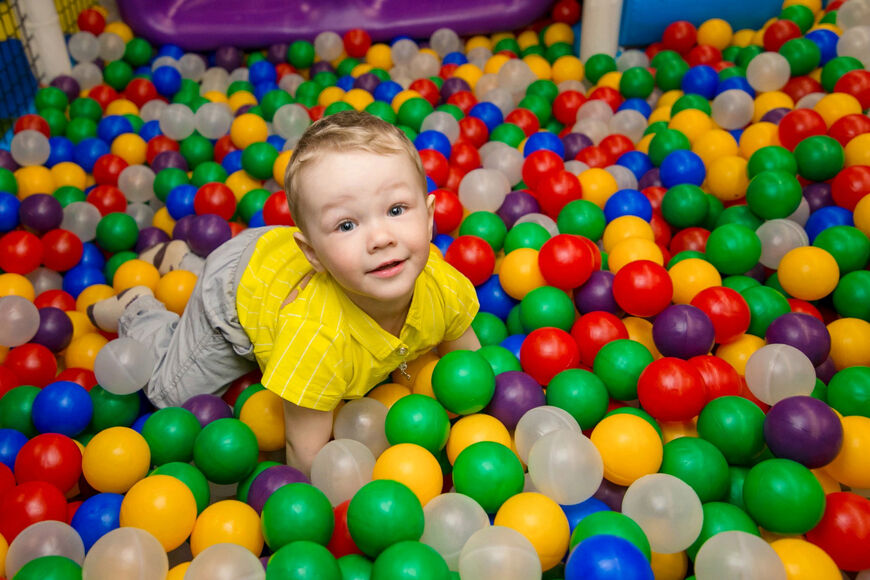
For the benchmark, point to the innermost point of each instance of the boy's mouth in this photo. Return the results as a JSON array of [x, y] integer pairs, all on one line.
[[387, 267]]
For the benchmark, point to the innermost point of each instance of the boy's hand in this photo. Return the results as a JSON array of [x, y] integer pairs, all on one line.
[[307, 431], [468, 341]]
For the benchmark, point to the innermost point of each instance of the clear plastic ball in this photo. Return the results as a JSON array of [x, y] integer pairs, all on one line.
[[225, 562], [667, 509], [539, 421], [142, 214], [624, 177], [152, 110], [595, 129], [291, 121], [30, 147], [483, 190], [213, 120], [341, 468], [631, 58], [87, 75], [424, 65], [165, 61], [501, 98], [855, 41], [516, 75], [328, 45], [126, 553], [403, 51], [628, 122], [123, 366], [801, 214], [736, 554], [192, 66], [853, 13], [542, 220], [769, 71], [809, 101], [478, 56], [565, 466], [81, 218], [240, 74], [444, 41], [576, 167], [595, 109], [19, 321], [451, 519], [444, 123], [499, 552], [485, 84], [363, 420], [290, 82], [112, 46], [136, 182], [777, 371], [654, 97], [778, 237], [503, 158], [83, 47], [733, 109], [177, 121], [572, 85], [214, 79], [46, 538], [44, 279]]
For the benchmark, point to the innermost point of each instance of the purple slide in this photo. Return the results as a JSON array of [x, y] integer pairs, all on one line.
[[208, 24]]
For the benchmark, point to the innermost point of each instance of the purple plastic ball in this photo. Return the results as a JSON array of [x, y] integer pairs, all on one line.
[[683, 331], [181, 230], [818, 195], [40, 212], [229, 58], [650, 179], [806, 333], [515, 393], [7, 162], [69, 85], [269, 480], [320, 66], [775, 115], [803, 429], [243, 109], [167, 160], [516, 204], [757, 272], [55, 329], [207, 232], [150, 237], [597, 294], [826, 371], [367, 82], [611, 494], [208, 408], [575, 143], [277, 53], [452, 86]]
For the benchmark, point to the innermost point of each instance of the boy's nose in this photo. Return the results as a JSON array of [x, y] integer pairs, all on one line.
[[381, 237]]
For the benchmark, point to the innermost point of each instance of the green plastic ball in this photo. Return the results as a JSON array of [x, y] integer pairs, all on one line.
[[765, 306], [525, 235], [618, 364], [698, 463], [670, 75], [581, 393], [783, 496], [337, 107], [849, 391], [733, 248], [739, 214], [721, 517], [800, 15], [382, 111], [489, 473], [111, 410], [691, 101], [80, 128], [819, 157], [196, 149], [274, 100], [849, 246], [167, 180], [540, 106], [244, 396], [666, 142], [489, 328], [852, 295], [49, 568], [599, 65], [138, 52], [835, 68], [685, 205], [413, 111], [117, 74], [295, 512], [803, 55], [57, 121], [636, 83], [410, 560], [583, 218], [171, 433], [258, 159], [420, 420], [66, 194], [735, 425], [771, 158], [747, 53], [355, 567], [225, 451], [773, 194], [192, 478], [543, 88], [736, 479], [612, 524], [116, 232], [113, 263], [486, 225], [302, 561], [50, 98], [208, 172], [382, 513], [463, 382], [547, 306], [685, 255], [301, 54], [85, 107], [509, 134], [16, 408], [500, 359]]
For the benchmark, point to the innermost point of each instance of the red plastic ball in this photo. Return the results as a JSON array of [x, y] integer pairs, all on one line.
[[28, 503], [107, 169], [726, 309], [435, 165], [671, 389], [565, 106], [7, 480], [857, 84], [464, 156], [448, 210], [454, 178], [223, 147], [799, 87], [341, 543], [556, 189], [103, 94], [850, 186], [140, 91], [655, 194], [33, 364], [276, 211], [720, 378], [427, 89], [55, 299], [593, 330], [158, 145], [474, 131], [799, 124], [779, 33], [615, 145], [284, 68], [566, 11], [799, 306], [82, 377], [8, 380], [215, 198], [20, 252], [239, 385], [848, 127], [92, 21], [538, 164], [316, 112], [52, 458], [472, 256], [548, 351], [108, 199], [357, 42], [642, 288], [844, 532], [609, 95], [446, 71], [465, 100], [680, 36], [689, 240], [32, 122], [525, 120], [704, 54], [662, 232], [62, 250], [565, 261], [594, 156]]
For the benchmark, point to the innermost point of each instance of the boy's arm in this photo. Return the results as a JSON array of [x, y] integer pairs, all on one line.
[[306, 431], [468, 341]]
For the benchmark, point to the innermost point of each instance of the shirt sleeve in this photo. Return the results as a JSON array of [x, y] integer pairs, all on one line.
[[460, 300], [306, 365]]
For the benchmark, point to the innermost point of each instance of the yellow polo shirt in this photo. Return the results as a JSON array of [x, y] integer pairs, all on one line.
[[322, 348]]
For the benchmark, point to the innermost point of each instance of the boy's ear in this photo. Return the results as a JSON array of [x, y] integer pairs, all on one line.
[[308, 250], [430, 208]]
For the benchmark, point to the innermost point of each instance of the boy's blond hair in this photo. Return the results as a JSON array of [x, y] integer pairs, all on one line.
[[344, 132]]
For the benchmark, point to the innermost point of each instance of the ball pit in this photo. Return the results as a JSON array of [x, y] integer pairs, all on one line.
[[670, 248]]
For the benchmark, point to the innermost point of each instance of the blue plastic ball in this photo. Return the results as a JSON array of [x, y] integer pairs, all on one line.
[[179, 202], [628, 202], [62, 407], [262, 72], [682, 166], [514, 343], [276, 141], [430, 185], [345, 83], [92, 256], [150, 130], [827, 41], [88, 151], [827, 217], [636, 104], [637, 161], [80, 277], [544, 140], [578, 511], [736, 82], [170, 50], [702, 80], [454, 58], [112, 126], [62, 150], [97, 516], [232, 161], [494, 299], [386, 91], [167, 80], [11, 442], [139, 423], [605, 557], [489, 113], [433, 140], [263, 89], [9, 205], [442, 242]]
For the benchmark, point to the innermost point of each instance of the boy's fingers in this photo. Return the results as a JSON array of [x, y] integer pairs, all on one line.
[[305, 280], [299, 287]]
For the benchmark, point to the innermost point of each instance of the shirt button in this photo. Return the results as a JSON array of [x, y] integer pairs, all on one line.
[[402, 351]]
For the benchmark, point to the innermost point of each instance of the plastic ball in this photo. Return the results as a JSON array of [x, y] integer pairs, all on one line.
[[489, 473], [629, 447], [463, 382], [115, 459], [738, 553], [97, 516], [28, 503], [52, 458], [450, 520], [341, 468], [565, 466], [125, 552], [382, 513], [846, 467], [500, 551], [804, 560], [296, 512], [42, 541], [783, 496], [698, 463], [62, 407], [161, 505], [363, 420], [123, 366], [20, 320], [805, 430], [778, 371], [224, 562], [642, 288], [170, 434], [683, 331], [227, 521], [541, 521], [667, 510], [413, 466], [808, 273], [842, 532]]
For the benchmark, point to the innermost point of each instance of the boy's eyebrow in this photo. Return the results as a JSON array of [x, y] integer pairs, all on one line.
[[337, 202]]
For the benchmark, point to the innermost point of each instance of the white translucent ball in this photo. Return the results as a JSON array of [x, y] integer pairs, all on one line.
[[444, 41], [214, 79], [769, 71], [539, 421], [213, 120], [516, 76], [801, 214], [503, 158], [87, 74], [240, 74], [402, 51], [341, 468], [112, 46], [778, 237], [777, 371], [328, 45], [126, 553], [83, 47], [733, 109], [855, 42], [192, 66], [595, 109], [809, 101], [142, 214], [45, 538], [576, 167], [595, 129], [225, 562], [738, 555], [501, 98], [291, 121], [450, 520], [442, 122], [497, 552], [177, 121], [152, 110], [165, 61], [44, 279], [667, 509], [628, 122], [625, 178], [853, 13], [542, 220], [363, 420], [290, 82], [565, 466], [123, 366], [19, 321], [30, 147], [485, 84], [483, 190], [136, 182], [424, 64], [81, 218], [478, 56], [632, 58]]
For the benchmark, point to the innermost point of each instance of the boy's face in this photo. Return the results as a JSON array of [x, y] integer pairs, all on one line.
[[368, 224]]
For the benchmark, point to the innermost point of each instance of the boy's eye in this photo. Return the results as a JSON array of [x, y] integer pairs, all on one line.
[[345, 226], [397, 210]]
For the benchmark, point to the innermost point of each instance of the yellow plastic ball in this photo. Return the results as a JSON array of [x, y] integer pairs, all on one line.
[[388, 393], [359, 99], [240, 182], [858, 150], [520, 273], [216, 97], [851, 467], [468, 72], [660, 113], [174, 289], [640, 330], [670, 566], [567, 68], [422, 384], [163, 220], [403, 96], [692, 123], [330, 95], [558, 32], [178, 572], [742, 37], [631, 250], [623, 228], [34, 179], [361, 69], [478, 41], [690, 276], [379, 55], [228, 521], [413, 369], [121, 29], [849, 340], [474, 429], [598, 185], [82, 352], [737, 352], [81, 324], [756, 136], [241, 98], [715, 32], [814, 5], [121, 107], [16, 285], [497, 36], [163, 506], [115, 459], [540, 66], [837, 105], [828, 483], [805, 561], [93, 294], [629, 446], [494, 64], [279, 168], [263, 412], [715, 144], [4, 548], [862, 215], [808, 273], [727, 178], [69, 173], [527, 39], [542, 522], [135, 273], [412, 466], [766, 102], [248, 129], [668, 98], [675, 429], [610, 80], [643, 144]]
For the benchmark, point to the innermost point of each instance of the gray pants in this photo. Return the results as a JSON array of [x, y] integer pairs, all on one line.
[[205, 349]]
